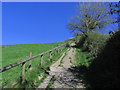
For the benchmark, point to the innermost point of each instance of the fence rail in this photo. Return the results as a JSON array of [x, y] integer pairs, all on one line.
[[30, 58]]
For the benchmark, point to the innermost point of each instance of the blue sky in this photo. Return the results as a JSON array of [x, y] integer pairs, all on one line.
[[30, 22], [26, 23]]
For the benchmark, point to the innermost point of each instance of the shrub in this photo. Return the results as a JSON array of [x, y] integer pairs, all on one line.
[[79, 40], [93, 42]]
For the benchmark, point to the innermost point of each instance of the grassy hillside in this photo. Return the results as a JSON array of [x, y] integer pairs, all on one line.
[[14, 53]]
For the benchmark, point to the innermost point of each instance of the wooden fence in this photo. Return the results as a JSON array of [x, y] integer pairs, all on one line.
[[23, 62]]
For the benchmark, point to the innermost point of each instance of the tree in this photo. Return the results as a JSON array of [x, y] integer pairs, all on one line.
[[115, 9], [91, 17]]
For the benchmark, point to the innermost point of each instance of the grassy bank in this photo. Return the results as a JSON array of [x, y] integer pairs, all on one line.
[[82, 58]]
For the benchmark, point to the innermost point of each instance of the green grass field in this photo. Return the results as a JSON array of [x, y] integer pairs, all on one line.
[[14, 53]]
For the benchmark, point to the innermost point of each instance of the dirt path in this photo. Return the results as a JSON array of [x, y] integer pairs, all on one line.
[[60, 71], [63, 77]]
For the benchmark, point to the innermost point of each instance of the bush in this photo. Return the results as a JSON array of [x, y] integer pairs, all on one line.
[[93, 42], [79, 40]]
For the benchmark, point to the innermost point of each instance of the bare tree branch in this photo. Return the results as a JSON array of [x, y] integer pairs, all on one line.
[[91, 16]]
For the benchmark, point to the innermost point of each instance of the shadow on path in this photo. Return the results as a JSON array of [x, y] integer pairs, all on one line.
[[79, 73]]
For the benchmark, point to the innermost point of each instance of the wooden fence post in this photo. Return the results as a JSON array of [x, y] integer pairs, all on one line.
[[55, 52], [50, 55], [41, 59], [63, 47], [23, 73], [29, 65], [58, 50]]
